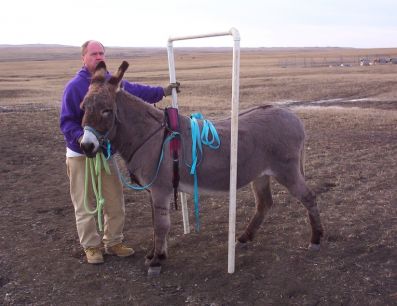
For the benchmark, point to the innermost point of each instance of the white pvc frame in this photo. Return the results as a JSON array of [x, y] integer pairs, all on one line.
[[234, 134]]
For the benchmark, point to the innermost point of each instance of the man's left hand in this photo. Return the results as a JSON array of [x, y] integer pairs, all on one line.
[[168, 89]]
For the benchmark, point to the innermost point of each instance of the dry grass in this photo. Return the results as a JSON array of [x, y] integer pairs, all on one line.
[[206, 76]]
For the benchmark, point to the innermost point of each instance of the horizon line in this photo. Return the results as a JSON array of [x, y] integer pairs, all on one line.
[[5, 45]]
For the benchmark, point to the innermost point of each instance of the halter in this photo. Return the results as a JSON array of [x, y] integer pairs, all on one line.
[[103, 138]]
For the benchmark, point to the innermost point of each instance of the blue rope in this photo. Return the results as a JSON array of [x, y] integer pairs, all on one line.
[[137, 187], [108, 149], [198, 139], [208, 136]]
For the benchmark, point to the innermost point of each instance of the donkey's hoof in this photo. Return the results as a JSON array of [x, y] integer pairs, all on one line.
[[154, 271], [241, 245], [314, 247]]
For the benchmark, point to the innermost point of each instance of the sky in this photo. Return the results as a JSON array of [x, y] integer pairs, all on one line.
[[149, 23]]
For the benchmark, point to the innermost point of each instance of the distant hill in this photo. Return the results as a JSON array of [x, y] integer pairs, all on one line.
[[50, 52], [39, 52], [36, 46]]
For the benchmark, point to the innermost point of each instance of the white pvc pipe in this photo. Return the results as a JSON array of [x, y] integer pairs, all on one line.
[[171, 66], [233, 151], [185, 214], [171, 39], [234, 130]]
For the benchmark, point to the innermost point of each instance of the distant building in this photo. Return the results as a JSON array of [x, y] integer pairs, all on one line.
[[364, 61], [381, 61]]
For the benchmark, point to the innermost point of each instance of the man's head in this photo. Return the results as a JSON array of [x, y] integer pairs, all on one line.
[[92, 52]]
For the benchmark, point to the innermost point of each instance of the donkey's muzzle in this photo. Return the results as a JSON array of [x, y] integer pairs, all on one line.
[[89, 143], [88, 149]]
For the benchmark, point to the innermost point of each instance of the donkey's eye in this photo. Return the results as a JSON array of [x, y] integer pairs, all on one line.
[[107, 112]]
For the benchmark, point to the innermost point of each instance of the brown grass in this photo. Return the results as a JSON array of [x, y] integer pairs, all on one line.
[[206, 76]]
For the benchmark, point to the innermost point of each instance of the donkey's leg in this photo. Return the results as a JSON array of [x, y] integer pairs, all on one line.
[[162, 224], [295, 183], [150, 253], [263, 200]]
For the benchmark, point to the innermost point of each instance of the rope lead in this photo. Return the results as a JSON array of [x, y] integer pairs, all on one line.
[[93, 168]]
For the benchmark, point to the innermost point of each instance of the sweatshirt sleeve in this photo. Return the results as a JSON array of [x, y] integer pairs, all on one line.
[[150, 94], [71, 116]]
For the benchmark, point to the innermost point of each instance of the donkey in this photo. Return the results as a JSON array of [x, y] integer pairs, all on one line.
[[271, 143]]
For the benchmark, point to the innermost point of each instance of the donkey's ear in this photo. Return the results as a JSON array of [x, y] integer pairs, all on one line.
[[116, 79], [99, 73]]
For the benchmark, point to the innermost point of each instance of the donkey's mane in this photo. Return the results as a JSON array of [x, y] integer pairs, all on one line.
[[137, 105]]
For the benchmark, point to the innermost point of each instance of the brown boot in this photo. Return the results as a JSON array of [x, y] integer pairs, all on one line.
[[119, 250], [94, 255]]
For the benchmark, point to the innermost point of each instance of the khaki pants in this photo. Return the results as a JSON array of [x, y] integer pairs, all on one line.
[[113, 209]]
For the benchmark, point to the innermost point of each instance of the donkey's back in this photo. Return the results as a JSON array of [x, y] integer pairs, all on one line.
[[270, 142]]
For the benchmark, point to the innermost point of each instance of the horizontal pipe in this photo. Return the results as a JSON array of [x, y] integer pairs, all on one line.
[[232, 31]]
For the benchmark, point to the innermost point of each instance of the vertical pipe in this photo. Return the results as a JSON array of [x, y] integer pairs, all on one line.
[[171, 67], [233, 150], [185, 213]]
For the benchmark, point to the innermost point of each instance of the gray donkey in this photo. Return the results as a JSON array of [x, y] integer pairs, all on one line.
[[270, 143]]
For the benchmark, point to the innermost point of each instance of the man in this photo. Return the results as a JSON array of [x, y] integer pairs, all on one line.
[[70, 123]]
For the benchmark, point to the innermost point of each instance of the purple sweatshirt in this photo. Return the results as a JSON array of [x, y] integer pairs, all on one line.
[[74, 93]]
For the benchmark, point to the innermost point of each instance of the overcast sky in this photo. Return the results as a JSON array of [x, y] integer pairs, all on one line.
[[149, 23]]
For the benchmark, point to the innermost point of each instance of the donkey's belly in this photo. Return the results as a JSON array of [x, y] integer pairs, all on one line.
[[220, 185]]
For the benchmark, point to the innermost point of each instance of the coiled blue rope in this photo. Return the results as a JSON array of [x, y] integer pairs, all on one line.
[[209, 137]]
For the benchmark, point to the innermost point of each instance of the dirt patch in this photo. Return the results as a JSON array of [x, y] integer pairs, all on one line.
[[350, 164]]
